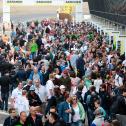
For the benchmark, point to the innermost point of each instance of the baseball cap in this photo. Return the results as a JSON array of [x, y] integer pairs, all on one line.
[[32, 88], [62, 86]]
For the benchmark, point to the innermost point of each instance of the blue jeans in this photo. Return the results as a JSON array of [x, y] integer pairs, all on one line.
[[4, 98], [78, 123], [33, 55]]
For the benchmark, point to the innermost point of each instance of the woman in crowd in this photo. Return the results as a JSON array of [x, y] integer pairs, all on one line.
[[79, 112]]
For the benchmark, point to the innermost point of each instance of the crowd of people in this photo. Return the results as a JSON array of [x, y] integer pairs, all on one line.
[[59, 73]]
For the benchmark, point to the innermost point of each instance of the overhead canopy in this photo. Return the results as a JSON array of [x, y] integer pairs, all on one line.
[[114, 10]]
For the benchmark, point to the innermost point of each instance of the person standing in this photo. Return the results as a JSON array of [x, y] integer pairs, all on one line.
[[33, 98], [50, 86], [65, 80], [33, 119], [97, 83], [12, 118], [16, 93], [99, 119], [40, 90], [36, 75], [33, 49], [54, 120], [66, 111], [79, 112], [4, 83], [23, 103], [22, 120]]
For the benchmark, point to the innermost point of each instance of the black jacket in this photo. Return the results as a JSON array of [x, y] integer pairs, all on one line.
[[57, 123], [5, 82], [34, 100], [119, 105], [31, 122], [105, 100], [21, 75], [122, 105], [9, 122], [79, 96]]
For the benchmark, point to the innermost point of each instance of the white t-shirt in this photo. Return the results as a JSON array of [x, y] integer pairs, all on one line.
[[75, 82], [41, 91], [84, 91], [76, 116], [118, 80], [22, 104], [16, 93], [49, 86], [109, 58], [97, 84]]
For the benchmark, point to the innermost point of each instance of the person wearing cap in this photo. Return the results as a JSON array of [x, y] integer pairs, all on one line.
[[80, 66], [27, 86], [33, 98]]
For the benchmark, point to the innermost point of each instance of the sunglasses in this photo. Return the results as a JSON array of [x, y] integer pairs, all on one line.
[[74, 99]]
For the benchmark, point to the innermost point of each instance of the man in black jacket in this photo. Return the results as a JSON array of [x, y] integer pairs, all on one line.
[[11, 119], [4, 83], [119, 104], [54, 120]]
